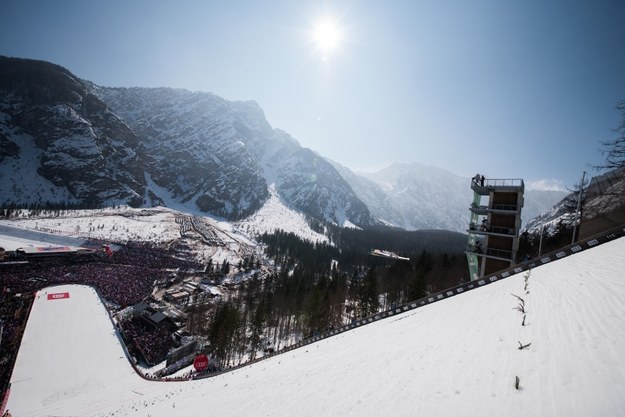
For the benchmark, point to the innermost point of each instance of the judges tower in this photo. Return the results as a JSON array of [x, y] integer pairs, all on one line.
[[494, 226]]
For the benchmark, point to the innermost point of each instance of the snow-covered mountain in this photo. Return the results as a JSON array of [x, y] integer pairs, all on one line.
[[538, 202], [59, 143], [603, 206], [416, 196], [67, 140]]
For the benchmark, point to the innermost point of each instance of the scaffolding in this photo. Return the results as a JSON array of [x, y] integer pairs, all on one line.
[[494, 226]]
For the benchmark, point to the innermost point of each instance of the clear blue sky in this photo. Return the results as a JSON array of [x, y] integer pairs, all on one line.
[[512, 89]]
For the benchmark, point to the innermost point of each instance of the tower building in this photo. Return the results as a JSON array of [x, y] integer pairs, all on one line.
[[494, 225]]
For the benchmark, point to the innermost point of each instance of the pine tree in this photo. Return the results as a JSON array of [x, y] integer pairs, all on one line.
[[225, 268], [418, 286], [223, 329], [369, 301]]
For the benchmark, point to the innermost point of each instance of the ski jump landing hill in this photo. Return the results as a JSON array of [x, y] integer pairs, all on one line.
[[458, 356]]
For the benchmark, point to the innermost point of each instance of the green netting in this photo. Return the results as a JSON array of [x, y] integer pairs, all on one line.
[[472, 259]]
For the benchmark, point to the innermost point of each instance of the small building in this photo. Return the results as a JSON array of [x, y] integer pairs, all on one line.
[[140, 308], [212, 290], [175, 314], [159, 320], [176, 296]]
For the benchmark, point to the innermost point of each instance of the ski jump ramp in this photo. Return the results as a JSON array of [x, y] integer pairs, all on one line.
[[451, 356], [70, 352]]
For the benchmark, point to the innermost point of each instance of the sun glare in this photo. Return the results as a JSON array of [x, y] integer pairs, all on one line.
[[326, 35]]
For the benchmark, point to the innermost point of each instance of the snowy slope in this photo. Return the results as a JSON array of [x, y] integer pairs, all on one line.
[[92, 357], [159, 225], [455, 357], [119, 225], [156, 224], [276, 215]]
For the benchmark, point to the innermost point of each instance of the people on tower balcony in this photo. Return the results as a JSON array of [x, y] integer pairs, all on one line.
[[478, 247], [479, 180], [485, 225]]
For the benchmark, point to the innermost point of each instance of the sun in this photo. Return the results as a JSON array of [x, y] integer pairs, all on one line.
[[327, 35]]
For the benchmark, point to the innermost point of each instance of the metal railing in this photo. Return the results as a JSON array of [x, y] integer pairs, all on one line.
[[498, 183]]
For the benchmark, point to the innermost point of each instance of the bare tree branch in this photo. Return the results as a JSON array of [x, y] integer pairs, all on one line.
[[614, 150]]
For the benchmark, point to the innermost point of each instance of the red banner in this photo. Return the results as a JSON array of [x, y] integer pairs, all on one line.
[[58, 295], [52, 248]]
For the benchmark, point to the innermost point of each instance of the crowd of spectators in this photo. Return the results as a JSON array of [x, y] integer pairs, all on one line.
[[13, 315], [152, 344], [125, 278]]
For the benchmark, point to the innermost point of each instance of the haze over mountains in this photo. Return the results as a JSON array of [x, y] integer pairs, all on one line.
[[66, 140]]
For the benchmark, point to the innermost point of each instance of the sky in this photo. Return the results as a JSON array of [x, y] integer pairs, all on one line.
[[509, 89]]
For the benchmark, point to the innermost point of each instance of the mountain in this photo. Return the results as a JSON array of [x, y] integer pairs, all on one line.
[[603, 206], [420, 197], [65, 140], [416, 196], [604, 203], [538, 202], [60, 143]]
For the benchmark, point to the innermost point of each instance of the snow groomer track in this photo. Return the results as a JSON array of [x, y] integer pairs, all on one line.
[[450, 292]]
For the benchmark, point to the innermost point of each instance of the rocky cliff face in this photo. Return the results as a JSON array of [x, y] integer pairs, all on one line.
[[194, 154], [60, 143], [67, 140], [222, 155]]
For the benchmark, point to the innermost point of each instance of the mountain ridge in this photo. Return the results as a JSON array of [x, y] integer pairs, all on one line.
[[415, 196], [68, 141], [130, 144]]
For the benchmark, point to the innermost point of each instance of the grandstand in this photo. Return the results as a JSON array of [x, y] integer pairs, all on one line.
[[13, 248], [51, 251]]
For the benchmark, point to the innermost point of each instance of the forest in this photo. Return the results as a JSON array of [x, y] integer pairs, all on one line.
[[315, 287]]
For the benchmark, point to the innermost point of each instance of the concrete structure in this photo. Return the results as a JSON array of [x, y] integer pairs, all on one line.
[[494, 225]]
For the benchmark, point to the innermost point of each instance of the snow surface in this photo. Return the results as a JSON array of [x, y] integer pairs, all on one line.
[[12, 238], [276, 215], [120, 225], [456, 357], [158, 224], [19, 177]]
